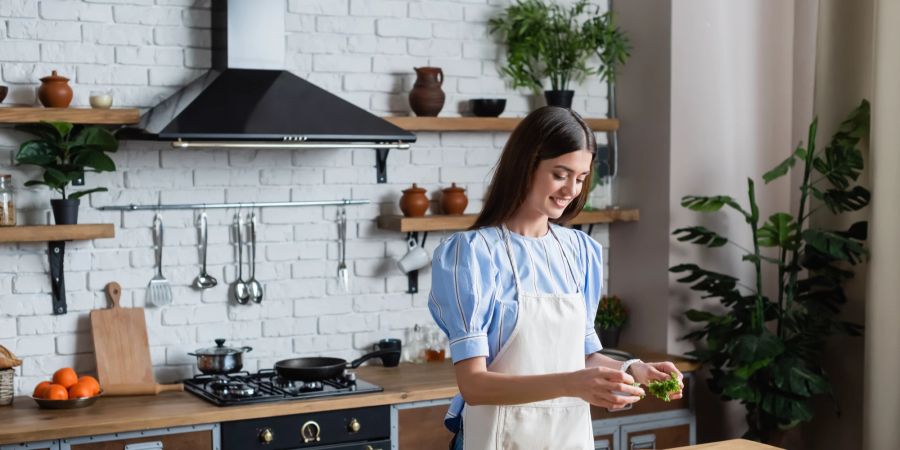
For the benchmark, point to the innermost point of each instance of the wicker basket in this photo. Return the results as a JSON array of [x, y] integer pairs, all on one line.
[[6, 386]]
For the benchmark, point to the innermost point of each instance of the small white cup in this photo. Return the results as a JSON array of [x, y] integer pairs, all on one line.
[[414, 259], [101, 99]]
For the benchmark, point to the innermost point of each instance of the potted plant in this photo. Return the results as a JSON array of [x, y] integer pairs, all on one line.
[[611, 317], [764, 351], [66, 152], [555, 41]]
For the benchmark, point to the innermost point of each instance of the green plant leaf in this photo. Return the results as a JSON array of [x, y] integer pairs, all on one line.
[[79, 194], [96, 160], [35, 183], [749, 348], [785, 166], [38, 153], [54, 178], [835, 245], [701, 236], [710, 204], [839, 200], [95, 139], [780, 231], [62, 129], [752, 258], [43, 130], [699, 316]]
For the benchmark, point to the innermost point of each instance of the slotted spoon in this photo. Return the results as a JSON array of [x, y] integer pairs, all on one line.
[[159, 292]]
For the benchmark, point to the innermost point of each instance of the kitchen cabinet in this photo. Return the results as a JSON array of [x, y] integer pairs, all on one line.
[[197, 437], [48, 445], [420, 425]]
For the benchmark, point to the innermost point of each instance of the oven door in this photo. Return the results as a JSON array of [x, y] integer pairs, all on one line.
[[380, 445]]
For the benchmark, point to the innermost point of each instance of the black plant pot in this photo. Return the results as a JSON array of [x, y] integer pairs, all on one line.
[[65, 212], [609, 337], [559, 98]]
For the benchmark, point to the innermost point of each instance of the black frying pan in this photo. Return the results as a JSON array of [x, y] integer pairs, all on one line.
[[320, 368]]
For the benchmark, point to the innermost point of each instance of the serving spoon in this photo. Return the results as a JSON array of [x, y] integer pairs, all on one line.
[[204, 280], [256, 289], [240, 291]]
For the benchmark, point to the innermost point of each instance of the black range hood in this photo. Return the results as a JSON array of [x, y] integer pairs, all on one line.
[[247, 100]]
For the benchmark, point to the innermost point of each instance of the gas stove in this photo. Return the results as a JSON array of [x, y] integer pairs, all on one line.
[[266, 386]]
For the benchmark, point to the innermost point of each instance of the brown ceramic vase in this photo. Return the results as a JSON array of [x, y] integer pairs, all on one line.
[[454, 200], [55, 91], [426, 97], [414, 202]]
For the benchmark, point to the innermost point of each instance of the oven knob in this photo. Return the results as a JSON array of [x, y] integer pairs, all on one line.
[[354, 426], [266, 436], [310, 432]]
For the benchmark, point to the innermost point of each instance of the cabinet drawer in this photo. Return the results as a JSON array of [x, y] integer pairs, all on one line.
[[193, 440], [423, 428], [658, 438]]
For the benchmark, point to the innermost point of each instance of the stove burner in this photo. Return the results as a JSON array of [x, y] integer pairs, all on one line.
[[266, 386]]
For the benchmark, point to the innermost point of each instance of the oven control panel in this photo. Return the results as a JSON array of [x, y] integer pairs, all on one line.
[[360, 428]]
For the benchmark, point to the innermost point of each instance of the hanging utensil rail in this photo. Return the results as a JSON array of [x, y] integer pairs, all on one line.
[[133, 207]]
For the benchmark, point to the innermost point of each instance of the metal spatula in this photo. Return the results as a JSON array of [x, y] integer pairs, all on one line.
[[159, 292], [343, 274]]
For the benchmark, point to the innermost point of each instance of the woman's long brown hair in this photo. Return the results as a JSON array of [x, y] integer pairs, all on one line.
[[546, 133]]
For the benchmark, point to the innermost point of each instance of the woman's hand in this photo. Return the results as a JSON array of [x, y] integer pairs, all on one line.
[[601, 386], [644, 373]]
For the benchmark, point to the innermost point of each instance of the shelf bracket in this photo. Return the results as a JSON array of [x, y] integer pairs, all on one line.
[[413, 276], [55, 252], [381, 155]]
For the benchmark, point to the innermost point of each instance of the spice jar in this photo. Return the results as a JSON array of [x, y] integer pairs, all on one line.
[[454, 200], [7, 207]]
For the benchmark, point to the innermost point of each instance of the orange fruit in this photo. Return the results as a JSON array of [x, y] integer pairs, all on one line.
[[81, 390], [65, 377], [40, 389], [56, 392], [90, 381]]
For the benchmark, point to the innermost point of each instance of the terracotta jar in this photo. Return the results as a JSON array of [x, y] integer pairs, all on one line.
[[454, 200], [55, 91], [426, 97], [414, 203]]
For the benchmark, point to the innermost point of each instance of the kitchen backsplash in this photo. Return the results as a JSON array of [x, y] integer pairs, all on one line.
[[362, 50]]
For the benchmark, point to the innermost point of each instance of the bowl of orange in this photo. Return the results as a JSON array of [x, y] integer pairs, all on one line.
[[67, 390]]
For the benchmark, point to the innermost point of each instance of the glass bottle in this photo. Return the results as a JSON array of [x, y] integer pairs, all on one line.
[[7, 206]]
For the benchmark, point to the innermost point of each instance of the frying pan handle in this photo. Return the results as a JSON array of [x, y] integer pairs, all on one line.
[[356, 362]]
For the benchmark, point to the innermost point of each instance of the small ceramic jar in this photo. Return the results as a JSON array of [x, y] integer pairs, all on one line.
[[55, 91], [454, 200], [101, 99], [414, 202]]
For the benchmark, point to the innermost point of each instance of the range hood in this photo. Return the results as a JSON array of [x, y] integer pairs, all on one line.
[[248, 100]]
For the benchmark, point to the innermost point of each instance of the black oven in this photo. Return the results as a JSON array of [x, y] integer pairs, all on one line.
[[359, 429]]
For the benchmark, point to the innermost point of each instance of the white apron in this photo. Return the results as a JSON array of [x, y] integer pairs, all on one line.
[[548, 338]]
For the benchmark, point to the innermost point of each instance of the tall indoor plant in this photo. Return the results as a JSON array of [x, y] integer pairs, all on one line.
[[764, 351], [66, 152], [555, 42]]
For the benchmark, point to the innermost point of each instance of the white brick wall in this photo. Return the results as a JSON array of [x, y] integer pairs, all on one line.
[[143, 51]]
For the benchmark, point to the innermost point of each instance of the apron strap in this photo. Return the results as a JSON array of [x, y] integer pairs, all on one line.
[[512, 260], [566, 259]]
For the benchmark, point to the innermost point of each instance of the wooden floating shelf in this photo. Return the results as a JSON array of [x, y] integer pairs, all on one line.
[[463, 222], [32, 114], [47, 233], [481, 123]]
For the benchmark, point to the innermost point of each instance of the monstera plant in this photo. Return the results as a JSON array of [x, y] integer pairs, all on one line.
[[762, 351]]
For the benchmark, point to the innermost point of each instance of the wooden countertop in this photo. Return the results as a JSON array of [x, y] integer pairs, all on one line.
[[734, 444], [24, 421]]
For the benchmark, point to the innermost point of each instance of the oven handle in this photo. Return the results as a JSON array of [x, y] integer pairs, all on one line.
[[310, 432]]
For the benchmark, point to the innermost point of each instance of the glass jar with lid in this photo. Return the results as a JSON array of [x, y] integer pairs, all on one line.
[[7, 206]]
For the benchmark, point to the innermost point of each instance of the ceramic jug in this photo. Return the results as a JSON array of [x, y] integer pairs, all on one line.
[[426, 97], [414, 202], [55, 91], [454, 200]]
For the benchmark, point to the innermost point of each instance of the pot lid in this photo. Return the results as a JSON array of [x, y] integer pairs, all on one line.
[[454, 188], [53, 77], [414, 189], [219, 349]]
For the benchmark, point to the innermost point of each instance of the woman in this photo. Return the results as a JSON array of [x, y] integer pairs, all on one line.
[[517, 294]]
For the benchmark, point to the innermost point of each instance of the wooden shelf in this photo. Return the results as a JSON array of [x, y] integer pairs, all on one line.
[[480, 123], [48, 233], [29, 114], [456, 223]]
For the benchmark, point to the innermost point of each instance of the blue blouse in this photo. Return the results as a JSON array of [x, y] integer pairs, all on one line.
[[473, 293]]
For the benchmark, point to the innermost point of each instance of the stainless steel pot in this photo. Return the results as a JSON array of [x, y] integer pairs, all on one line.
[[220, 359]]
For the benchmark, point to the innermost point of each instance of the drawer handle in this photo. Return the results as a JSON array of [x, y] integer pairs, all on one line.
[[602, 444], [156, 445], [644, 441], [310, 432]]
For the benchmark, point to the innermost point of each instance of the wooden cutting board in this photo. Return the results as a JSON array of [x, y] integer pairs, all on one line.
[[120, 343]]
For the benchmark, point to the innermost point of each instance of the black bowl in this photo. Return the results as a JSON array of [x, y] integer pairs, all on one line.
[[487, 107], [3, 91]]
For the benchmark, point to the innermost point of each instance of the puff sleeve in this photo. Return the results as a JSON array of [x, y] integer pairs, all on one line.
[[592, 262], [461, 298]]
